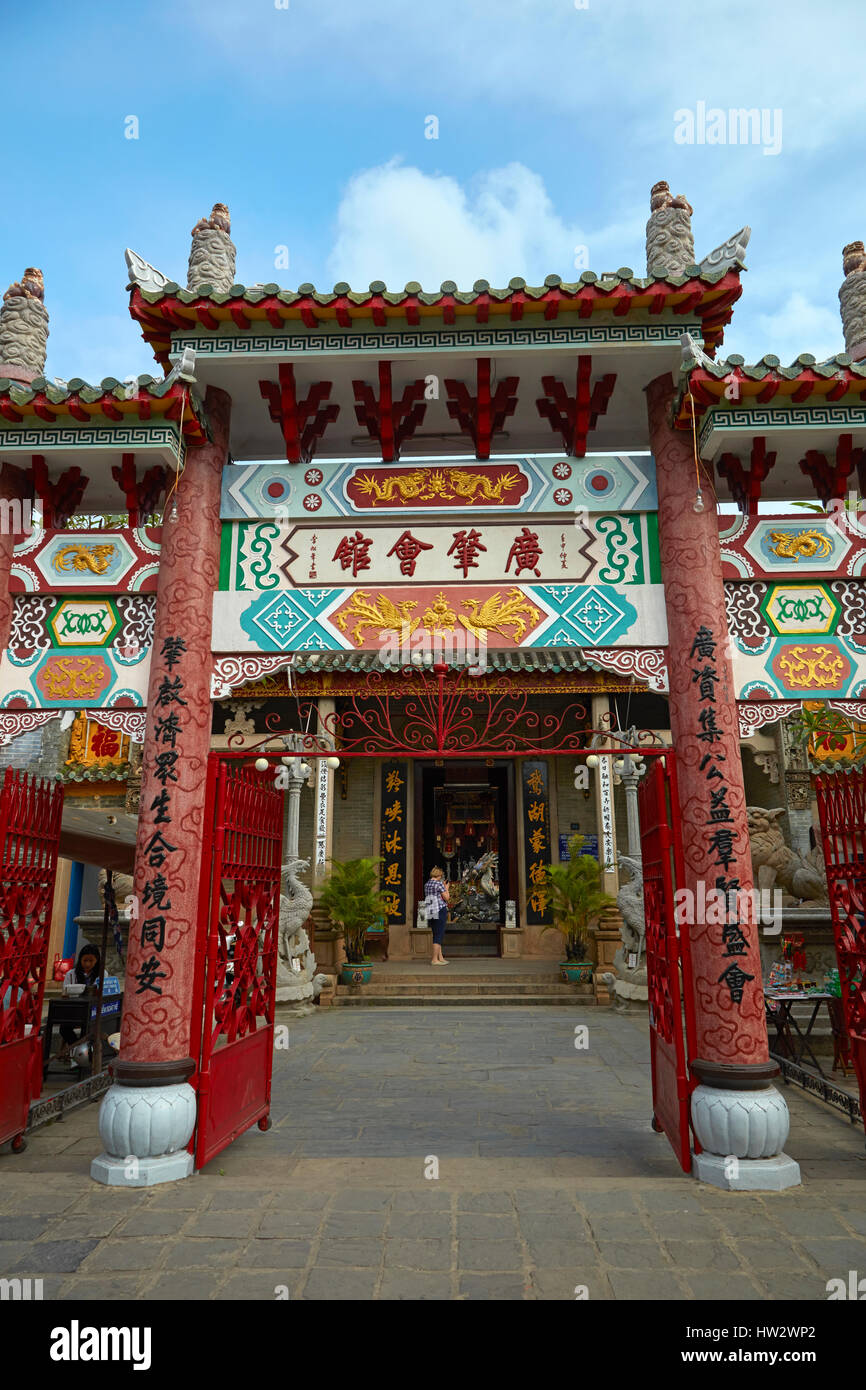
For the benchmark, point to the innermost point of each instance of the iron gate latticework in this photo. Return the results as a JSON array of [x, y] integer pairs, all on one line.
[[443, 712], [669, 976], [239, 903], [30, 814], [842, 812]]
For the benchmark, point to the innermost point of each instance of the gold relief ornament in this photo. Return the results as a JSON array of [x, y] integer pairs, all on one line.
[[382, 616], [77, 740], [497, 613], [790, 545], [445, 484], [821, 667], [63, 681], [439, 617], [80, 557]]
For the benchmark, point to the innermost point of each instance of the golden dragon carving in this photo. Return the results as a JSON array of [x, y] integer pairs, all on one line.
[[95, 558], [790, 545], [445, 484]]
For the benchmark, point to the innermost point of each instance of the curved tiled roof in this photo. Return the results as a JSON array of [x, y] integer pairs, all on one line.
[[701, 290], [766, 380], [152, 397]]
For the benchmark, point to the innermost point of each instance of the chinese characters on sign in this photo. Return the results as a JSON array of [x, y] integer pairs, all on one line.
[[155, 901], [322, 788], [357, 552], [393, 836], [536, 841], [720, 837]]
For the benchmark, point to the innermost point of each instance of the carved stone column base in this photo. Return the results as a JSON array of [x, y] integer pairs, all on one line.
[[743, 1135], [747, 1174], [114, 1172], [145, 1130]]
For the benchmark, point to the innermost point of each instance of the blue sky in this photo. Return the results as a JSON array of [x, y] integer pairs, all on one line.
[[309, 121]]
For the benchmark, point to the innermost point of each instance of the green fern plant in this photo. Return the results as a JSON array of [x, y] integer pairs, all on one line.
[[577, 898], [352, 899]]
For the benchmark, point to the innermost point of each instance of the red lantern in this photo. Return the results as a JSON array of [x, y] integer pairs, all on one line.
[[62, 967]]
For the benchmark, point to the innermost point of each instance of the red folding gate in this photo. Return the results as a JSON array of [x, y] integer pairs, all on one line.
[[237, 954], [30, 814], [667, 957], [842, 813]]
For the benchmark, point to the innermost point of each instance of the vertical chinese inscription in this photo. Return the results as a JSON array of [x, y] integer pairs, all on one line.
[[536, 841], [719, 832], [158, 848], [322, 787], [392, 839]]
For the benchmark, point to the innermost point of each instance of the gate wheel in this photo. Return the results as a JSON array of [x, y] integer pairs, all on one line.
[[659, 1129], [19, 1144], [265, 1123]]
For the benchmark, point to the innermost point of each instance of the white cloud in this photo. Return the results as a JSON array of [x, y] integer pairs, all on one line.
[[631, 57], [396, 223], [797, 326]]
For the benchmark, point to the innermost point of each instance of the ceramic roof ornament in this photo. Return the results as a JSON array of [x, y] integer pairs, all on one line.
[[24, 325], [852, 300], [213, 253], [670, 246]]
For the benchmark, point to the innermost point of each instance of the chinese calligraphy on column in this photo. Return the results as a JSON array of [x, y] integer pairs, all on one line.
[[536, 841], [392, 840], [322, 788], [721, 848], [154, 898]]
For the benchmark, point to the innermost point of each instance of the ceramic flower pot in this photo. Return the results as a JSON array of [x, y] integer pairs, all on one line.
[[355, 974], [576, 972]]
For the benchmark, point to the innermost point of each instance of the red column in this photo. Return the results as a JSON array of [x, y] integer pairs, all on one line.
[[731, 1027], [160, 968], [13, 487]]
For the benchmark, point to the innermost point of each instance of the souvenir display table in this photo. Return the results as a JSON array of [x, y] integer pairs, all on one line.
[[790, 1041]]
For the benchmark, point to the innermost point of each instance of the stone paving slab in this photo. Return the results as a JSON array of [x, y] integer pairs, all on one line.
[[550, 1181]]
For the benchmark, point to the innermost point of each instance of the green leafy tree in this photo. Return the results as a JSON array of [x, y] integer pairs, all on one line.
[[352, 899], [577, 898], [840, 741]]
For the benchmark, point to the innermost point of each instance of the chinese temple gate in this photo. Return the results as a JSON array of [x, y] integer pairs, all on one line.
[[446, 546]]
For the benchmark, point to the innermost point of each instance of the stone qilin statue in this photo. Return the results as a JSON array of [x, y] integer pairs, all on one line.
[[852, 300], [670, 246], [24, 323], [213, 253]]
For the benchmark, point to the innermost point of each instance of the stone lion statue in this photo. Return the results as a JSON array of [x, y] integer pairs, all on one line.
[[775, 864]]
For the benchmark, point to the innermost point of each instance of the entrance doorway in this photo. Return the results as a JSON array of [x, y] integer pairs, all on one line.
[[465, 824]]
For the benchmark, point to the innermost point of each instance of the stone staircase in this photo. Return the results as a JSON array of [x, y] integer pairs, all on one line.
[[473, 985]]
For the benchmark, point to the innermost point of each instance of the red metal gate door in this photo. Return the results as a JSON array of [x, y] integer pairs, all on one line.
[[30, 814], [239, 911], [842, 813], [666, 951]]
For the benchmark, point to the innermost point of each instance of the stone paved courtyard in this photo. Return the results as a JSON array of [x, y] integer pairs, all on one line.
[[550, 1178]]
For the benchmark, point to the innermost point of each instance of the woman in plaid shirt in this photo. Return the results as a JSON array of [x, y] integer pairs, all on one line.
[[437, 889]]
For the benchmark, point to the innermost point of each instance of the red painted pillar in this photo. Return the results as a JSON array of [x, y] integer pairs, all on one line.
[[155, 1037], [731, 1027], [13, 489]]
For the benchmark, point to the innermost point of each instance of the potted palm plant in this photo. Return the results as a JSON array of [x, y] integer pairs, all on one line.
[[577, 900], [352, 899]]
